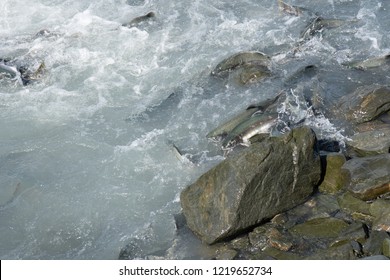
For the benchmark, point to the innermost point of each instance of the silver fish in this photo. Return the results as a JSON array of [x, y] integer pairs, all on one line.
[[369, 63], [238, 60], [258, 108], [289, 9], [13, 72], [257, 124], [138, 20], [318, 24]]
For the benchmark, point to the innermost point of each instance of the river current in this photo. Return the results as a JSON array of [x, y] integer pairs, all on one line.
[[86, 158]]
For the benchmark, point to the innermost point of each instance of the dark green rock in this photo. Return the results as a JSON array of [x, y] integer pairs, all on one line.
[[318, 206], [281, 255], [380, 209], [374, 244], [369, 177], [386, 247], [335, 177], [251, 186], [357, 208], [320, 228], [354, 232], [344, 251]]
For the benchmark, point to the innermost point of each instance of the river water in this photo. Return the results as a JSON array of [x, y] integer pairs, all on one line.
[[86, 158]]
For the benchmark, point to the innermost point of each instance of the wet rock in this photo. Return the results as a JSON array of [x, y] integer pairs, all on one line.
[[370, 142], [357, 208], [258, 238], [318, 206], [320, 228], [279, 255], [354, 232], [251, 186], [226, 253], [369, 177], [365, 104], [386, 247], [278, 240], [335, 177], [341, 252], [374, 244], [380, 209]]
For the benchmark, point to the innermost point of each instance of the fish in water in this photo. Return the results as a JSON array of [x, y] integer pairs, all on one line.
[[253, 74], [369, 63], [318, 24], [138, 20], [21, 73], [13, 72], [255, 125], [239, 60], [258, 108], [289, 9]]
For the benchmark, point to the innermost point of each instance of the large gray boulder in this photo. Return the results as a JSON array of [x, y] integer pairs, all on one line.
[[261, 181]]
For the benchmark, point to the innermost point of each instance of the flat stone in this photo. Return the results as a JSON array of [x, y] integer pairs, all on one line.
[[370, 142], [278, 240], [354, 232], [320, 228], [366, 103], [374, 244], [386, 247], [380, 209], [341, 252], [335, 177], [252, 186], [351, 204], [369, 177]]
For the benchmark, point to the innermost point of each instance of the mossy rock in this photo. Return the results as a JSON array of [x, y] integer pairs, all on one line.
[[320, 228], [335, 177]]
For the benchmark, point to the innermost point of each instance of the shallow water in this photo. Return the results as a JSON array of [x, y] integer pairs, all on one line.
[[86, 164]]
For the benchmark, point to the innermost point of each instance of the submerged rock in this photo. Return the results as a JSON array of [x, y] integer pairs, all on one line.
[[369, 63], [364, 104], [369, 177], [263, 180]]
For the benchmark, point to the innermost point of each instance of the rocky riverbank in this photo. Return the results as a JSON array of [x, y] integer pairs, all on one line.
[[288, 197], [274, 194]]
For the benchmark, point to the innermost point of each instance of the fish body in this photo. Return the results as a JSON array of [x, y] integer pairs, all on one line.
[[289, 9], [138, 20], [251, 110], [13, 72], [228, 126], [257, 124], [239, 60], [253, 74], [369, 63], [318, 24]]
